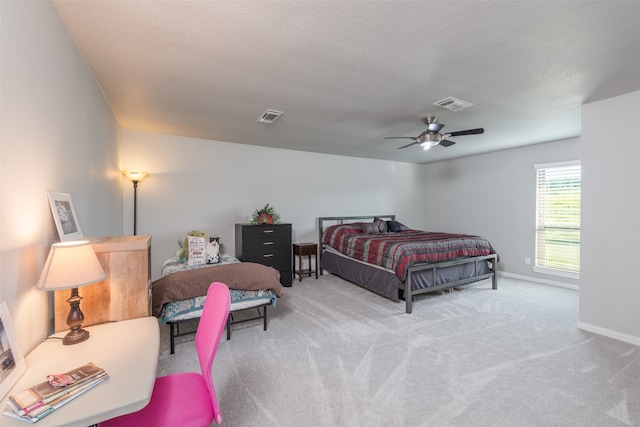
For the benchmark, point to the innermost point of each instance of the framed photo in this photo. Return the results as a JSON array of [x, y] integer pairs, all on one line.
[[12, 364], [64, 214]]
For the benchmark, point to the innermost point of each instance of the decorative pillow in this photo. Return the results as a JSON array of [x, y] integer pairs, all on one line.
[[394, 226], [370, 228], [184, 253], [335, 235], [197, 250], [380, 224], [398, 224], [213, 250]]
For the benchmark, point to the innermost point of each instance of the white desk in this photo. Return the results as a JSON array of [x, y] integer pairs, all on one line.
[[128, 350]]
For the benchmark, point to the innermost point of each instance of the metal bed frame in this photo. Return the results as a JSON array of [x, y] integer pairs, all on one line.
[[406, 290]]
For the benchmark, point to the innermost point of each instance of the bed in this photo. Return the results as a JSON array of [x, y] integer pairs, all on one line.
[[392, 260], [178, 296]]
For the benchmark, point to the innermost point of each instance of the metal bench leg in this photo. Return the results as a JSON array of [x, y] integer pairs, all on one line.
[[172, 338], [265, 317]]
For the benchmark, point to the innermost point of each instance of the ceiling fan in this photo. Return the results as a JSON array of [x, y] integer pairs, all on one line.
[[432, 136]]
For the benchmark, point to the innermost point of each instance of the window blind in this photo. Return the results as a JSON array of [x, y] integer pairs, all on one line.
[[558, 216]]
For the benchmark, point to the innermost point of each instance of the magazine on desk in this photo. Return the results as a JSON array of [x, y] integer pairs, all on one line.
[[37, 402]]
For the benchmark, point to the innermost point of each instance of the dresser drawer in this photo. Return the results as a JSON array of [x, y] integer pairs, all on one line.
[[266, 231], [279, 264], [265, 253], [265, 244]]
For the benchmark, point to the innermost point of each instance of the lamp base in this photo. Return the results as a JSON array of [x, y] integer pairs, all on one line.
[[74, 320], [75, 336]]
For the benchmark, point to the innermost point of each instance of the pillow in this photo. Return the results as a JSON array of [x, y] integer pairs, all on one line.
[[197, 250], [394, 226], [213, 250], [370, 228], [380, 224], [184, 253], [336, 234]]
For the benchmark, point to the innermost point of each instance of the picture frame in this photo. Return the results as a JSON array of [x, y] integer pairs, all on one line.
[[12, 364], [65, 217]]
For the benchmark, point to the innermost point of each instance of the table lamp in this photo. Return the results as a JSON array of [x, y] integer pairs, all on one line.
[[71, 265]]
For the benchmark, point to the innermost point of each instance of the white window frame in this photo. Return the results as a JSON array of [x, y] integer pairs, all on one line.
[[544, 218]]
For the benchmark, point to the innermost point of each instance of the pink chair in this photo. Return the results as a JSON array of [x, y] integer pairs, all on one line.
[[188, 399]]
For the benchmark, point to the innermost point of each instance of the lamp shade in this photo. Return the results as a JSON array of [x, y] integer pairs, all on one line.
[[70, 265], [135, 176]]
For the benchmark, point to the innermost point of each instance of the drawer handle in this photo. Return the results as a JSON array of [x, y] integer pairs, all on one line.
[[267, 231], [267, 243], [267, 255]]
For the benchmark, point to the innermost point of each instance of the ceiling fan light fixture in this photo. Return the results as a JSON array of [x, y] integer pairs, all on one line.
[[432, 136], [429, 139]]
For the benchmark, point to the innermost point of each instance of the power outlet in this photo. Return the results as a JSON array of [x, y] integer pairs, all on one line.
[[527, 260]]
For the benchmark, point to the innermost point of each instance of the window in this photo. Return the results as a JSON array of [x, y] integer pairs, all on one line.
[[558, 218]]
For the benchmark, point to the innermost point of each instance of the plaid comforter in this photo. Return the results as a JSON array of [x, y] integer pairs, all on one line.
[[401, 250]]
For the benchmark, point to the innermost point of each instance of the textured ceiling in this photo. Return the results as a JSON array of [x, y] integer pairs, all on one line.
[[348, 73]]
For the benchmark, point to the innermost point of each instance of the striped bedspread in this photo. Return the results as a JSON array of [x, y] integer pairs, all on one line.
[[401, 250]]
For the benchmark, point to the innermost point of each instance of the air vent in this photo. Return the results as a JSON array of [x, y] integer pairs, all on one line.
[[453, 104], [269, 116]]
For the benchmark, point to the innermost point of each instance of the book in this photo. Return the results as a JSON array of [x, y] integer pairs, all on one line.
[[47, 391], [20, 410], [45, 409], [40, 400]]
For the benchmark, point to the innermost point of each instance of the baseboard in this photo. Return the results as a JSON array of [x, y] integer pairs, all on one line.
[[581, 325], [609, 333], [538, 280]]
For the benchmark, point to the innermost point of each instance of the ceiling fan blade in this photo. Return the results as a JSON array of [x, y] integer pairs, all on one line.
[[408, 145], [400, 137], [435, 127], [446, 143], [467, 132]]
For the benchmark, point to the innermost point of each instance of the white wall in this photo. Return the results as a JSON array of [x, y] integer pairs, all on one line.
[[494, 195], [610, 254], [211, 185], [59, 134]]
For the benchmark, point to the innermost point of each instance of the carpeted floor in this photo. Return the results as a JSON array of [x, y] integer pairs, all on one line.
[[335, 354]]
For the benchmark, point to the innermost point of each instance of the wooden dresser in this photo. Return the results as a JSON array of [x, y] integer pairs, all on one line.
[[124, 294], [266, 244]]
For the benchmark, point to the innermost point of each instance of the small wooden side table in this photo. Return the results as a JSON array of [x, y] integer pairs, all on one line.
[[302, 249]]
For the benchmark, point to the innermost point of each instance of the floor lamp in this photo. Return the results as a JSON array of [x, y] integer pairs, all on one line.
[[135, 177]]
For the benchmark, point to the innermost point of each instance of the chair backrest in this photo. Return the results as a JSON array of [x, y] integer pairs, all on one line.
[[210, 329]]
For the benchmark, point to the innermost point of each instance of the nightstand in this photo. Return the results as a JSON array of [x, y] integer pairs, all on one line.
[[305, 249]]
